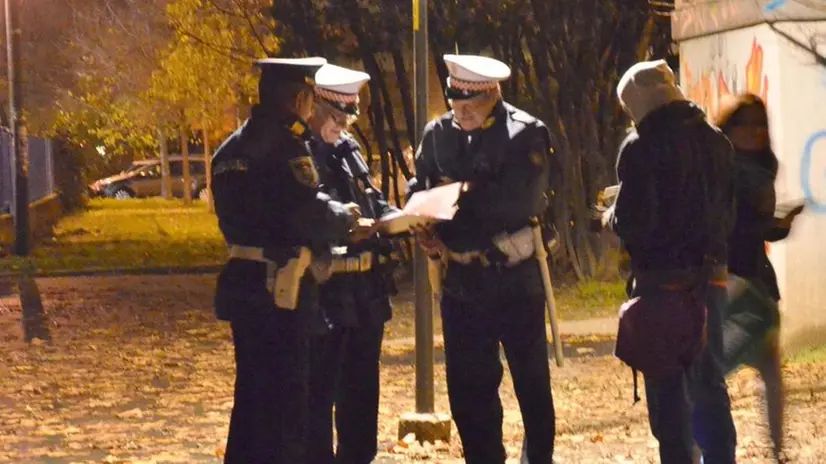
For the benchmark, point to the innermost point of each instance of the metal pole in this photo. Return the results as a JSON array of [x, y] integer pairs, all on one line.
[[18, 131], [424, 295]]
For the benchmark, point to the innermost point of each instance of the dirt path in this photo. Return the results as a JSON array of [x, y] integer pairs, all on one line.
[[139, 372]]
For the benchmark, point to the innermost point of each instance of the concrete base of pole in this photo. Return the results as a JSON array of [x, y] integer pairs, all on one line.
[[430, 427]]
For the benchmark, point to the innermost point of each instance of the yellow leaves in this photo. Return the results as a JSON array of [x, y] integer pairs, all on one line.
[[136, 413], [208, 63]]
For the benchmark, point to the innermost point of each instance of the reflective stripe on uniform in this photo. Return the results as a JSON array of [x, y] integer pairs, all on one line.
[[248, 253], [232, 165], [363, 262]]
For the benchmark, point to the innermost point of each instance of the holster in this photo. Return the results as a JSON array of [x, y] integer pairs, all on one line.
[[288, 279], [283, 281]]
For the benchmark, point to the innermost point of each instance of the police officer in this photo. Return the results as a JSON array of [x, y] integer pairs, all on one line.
[[275, 221], [491, 293], [355, 301]]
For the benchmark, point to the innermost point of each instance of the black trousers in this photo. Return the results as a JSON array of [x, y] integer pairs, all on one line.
[[269, 416], [345, 374], [473, 331]]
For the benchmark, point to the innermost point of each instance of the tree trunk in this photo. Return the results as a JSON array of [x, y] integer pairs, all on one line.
[[208, 167], [377, 118], [368, 149], [187, 179], [407, 97], [438, 22], [539, 56], [166, 181], [378, 86], [394, 163]]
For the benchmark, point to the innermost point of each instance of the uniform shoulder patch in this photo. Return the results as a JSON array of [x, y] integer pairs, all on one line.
[[230, 165], [304, 171], [537, 158]]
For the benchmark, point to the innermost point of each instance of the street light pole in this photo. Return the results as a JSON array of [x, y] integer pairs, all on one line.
[[20, 184], [425, 424], [424, 295]]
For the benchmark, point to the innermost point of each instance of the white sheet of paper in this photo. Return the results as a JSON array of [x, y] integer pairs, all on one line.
[[782, 209], [425, 207]]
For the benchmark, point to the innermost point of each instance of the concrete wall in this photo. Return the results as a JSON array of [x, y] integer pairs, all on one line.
[[760, 60], [43, 215], [802, 149]]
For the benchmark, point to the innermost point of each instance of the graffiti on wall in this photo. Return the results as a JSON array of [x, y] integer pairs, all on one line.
[[706, 85], [813, 172]]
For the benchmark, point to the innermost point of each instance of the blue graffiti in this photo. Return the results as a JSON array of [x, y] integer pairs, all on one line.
[[774, 5], [806, 180]]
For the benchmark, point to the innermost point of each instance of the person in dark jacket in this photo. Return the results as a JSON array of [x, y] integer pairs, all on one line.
[[275, 221], [744, 120], [355, 302], [493, 289], [674, 212]]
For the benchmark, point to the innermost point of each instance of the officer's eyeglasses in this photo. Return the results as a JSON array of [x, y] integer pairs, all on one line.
[[342, 120], [338, 118]]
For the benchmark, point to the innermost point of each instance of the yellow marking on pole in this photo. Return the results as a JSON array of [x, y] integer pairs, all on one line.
[[415, 15]]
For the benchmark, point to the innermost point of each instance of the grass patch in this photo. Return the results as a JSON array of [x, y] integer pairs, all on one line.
[[810, 355], [588, 300], [115, 234]]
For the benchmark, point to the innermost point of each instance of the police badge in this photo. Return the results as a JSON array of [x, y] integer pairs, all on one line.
[[304, 171]]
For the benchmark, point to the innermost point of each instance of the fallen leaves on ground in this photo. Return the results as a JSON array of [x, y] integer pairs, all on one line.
[[140, 372]]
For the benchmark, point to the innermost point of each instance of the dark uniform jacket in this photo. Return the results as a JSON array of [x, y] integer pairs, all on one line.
[[507, 164], [265, 186], [676, 198], [354, 299]]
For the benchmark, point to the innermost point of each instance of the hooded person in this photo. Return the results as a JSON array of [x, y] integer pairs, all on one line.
[[674, 212]]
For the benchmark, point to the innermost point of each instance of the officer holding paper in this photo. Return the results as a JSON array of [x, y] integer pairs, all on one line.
[[492, 292], [355, 302]]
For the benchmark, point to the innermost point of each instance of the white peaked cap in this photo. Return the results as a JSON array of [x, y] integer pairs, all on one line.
[[473, 74], [475, 68], [340, 80]]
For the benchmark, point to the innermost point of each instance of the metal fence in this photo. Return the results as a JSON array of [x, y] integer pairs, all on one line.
[[41, 170]]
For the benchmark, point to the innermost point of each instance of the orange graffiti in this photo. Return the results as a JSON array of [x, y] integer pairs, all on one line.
[[698, 90], [706, 91], [754, 71], [722, 86]]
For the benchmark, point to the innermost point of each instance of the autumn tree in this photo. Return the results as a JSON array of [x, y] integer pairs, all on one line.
[[113, 47], [206, 70]]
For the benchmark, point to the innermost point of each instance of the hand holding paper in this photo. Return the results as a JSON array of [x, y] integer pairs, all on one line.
[[786, 212], [423, 209]]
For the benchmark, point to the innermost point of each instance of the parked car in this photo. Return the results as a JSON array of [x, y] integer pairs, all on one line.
[[143, 179]]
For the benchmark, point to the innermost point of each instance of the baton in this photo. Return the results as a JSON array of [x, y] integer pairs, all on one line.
[[542, 257]]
